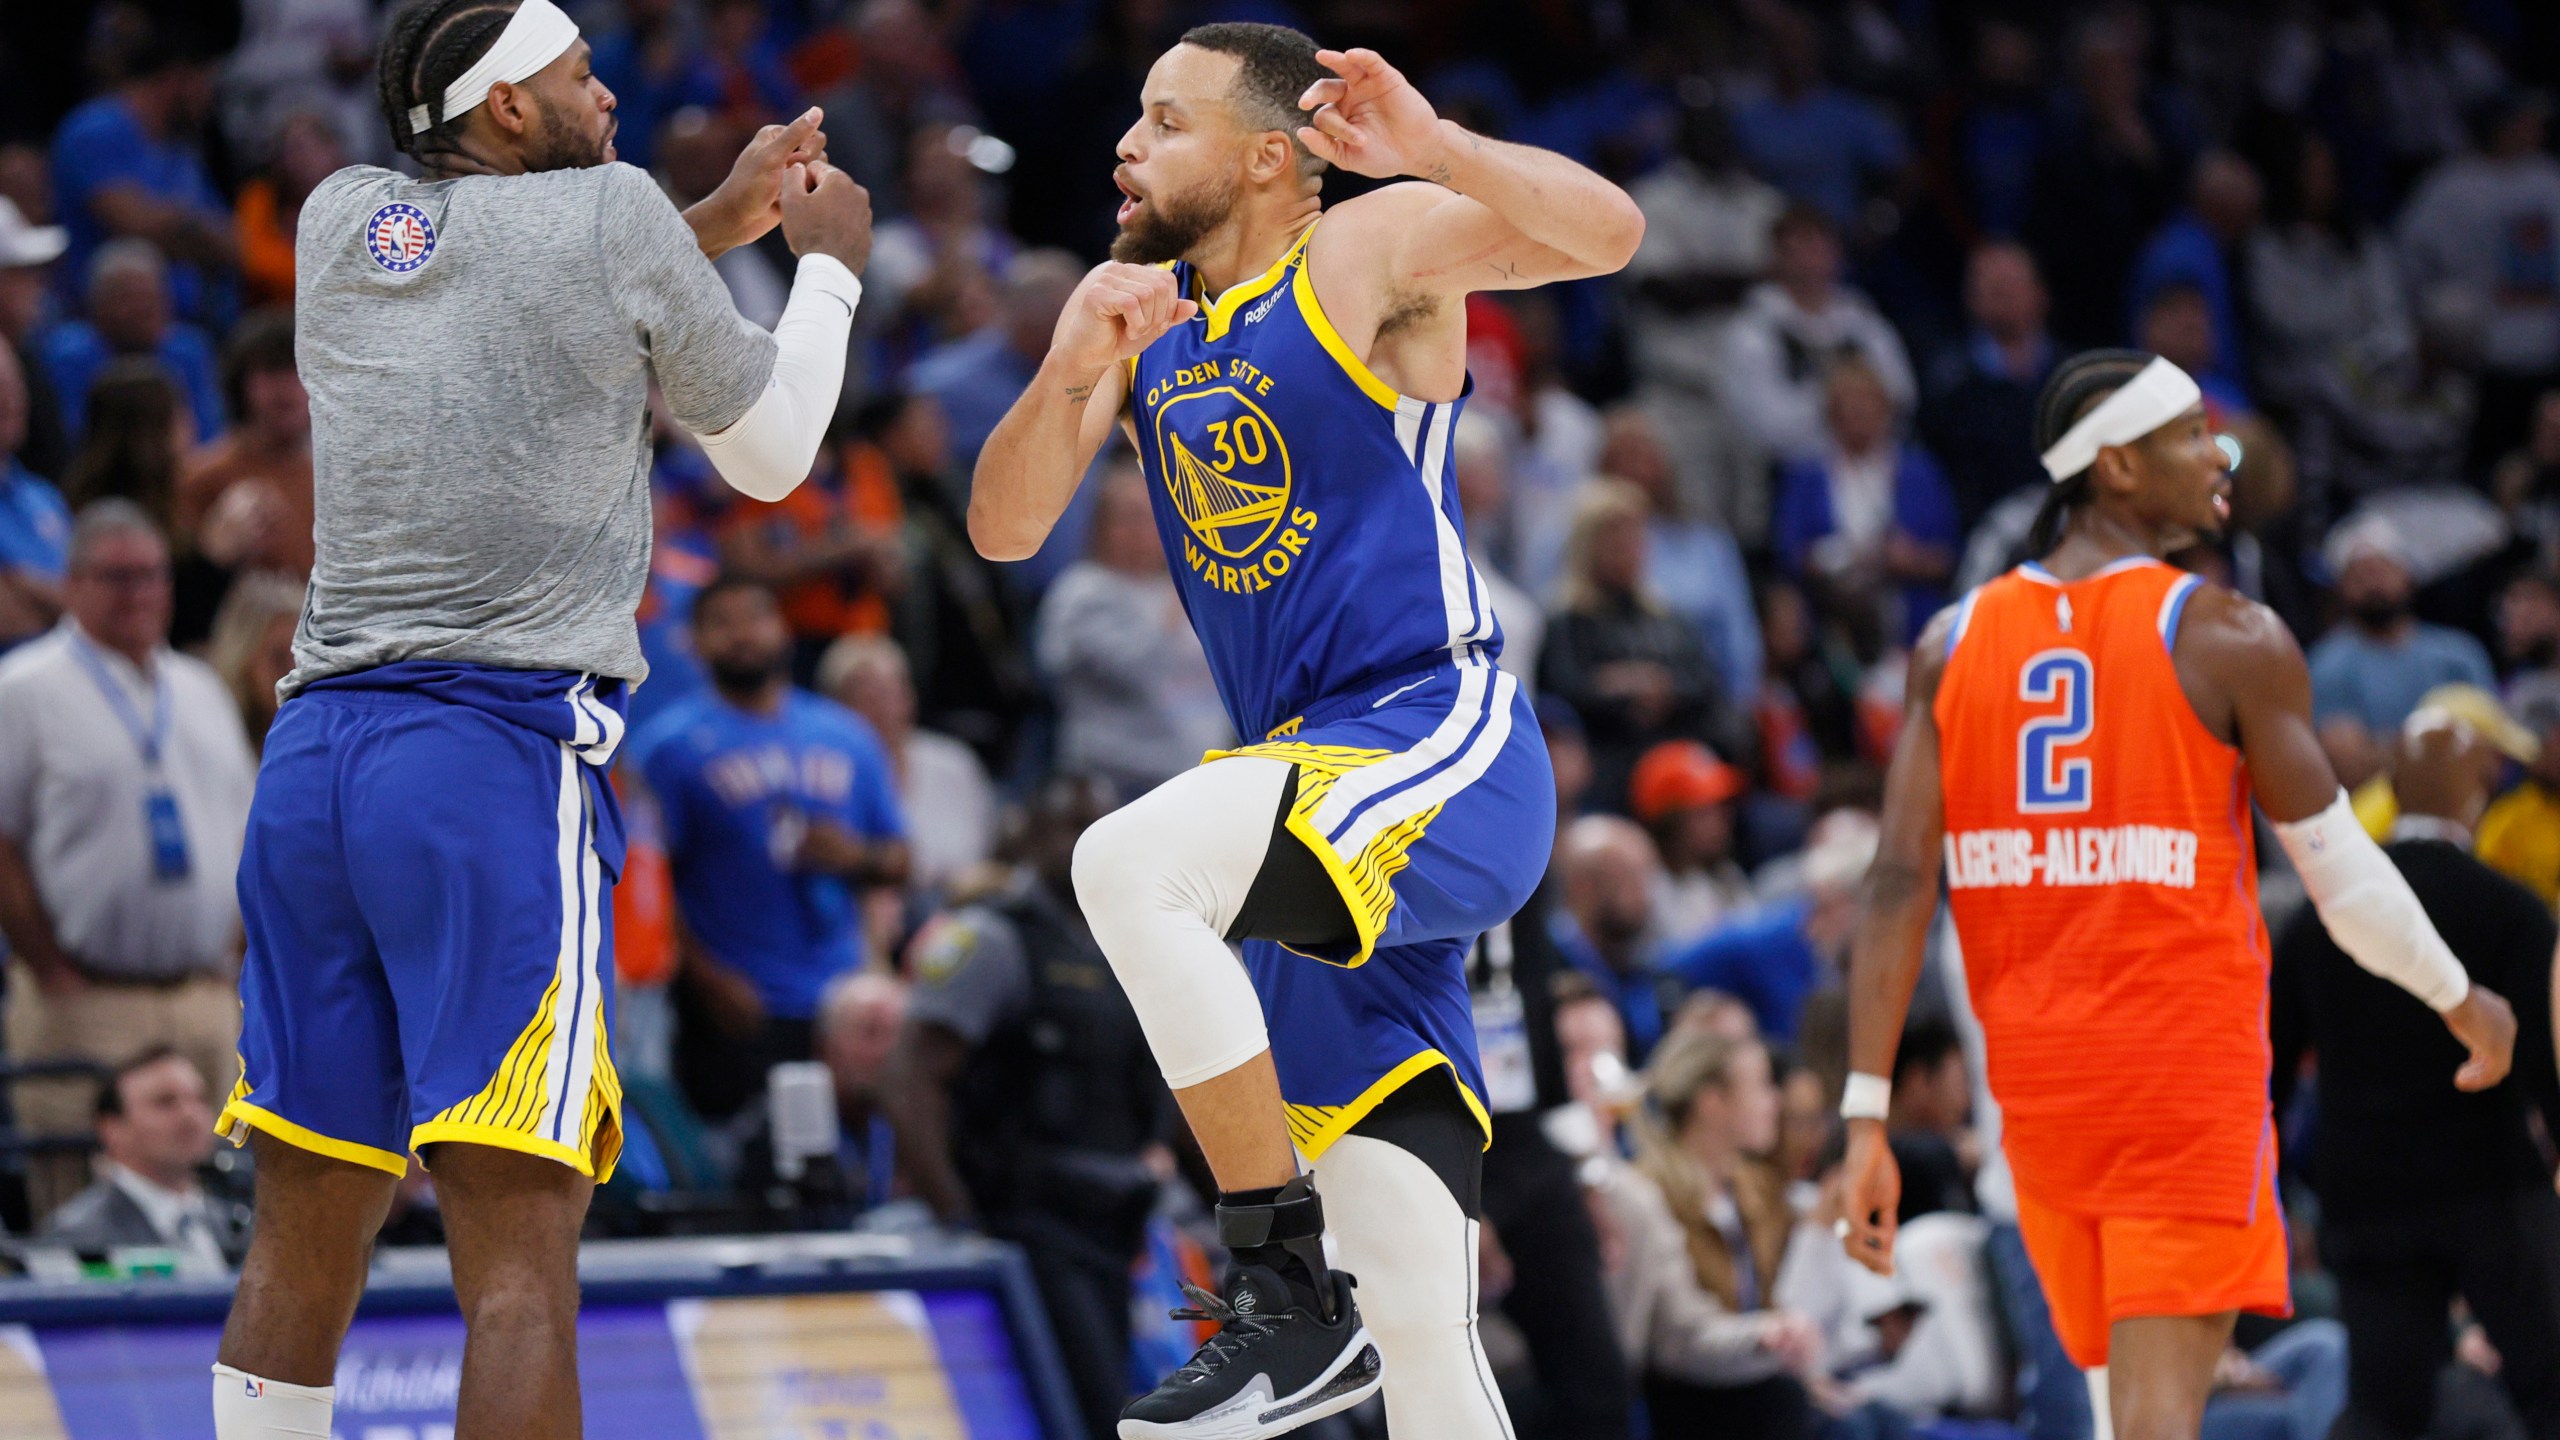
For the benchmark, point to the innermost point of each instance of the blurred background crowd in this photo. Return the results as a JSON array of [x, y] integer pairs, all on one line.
[[1715, 496]]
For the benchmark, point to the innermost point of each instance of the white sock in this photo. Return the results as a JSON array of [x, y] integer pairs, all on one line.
[[246, 1407], [2101, 1411], [1160, 880]]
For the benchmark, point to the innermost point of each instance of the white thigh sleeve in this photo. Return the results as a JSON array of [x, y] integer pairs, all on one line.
[[2369, 908], [1400, 1233], [1160, 880], [767, 452]]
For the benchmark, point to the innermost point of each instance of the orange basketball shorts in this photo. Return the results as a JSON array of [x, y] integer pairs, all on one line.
[[2096, 1270]]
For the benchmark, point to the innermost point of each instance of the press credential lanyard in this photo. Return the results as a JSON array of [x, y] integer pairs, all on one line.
[[1502, 1031], [160, 818]]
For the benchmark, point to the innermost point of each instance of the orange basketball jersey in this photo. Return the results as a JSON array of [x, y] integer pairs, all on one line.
[[2099, 863]]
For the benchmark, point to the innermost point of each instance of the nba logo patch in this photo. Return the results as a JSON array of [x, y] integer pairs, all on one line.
[[400, 238]]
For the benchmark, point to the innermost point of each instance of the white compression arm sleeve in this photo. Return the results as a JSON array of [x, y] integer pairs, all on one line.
[[2369, 908], [768, 451]]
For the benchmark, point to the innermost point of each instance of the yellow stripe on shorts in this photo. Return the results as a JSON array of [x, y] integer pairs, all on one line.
[[1366, 879]]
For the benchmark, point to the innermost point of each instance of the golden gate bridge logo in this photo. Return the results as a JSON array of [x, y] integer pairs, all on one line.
[[1228, 477]]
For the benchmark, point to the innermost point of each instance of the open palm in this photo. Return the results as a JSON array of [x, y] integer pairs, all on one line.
[[1370, 121]]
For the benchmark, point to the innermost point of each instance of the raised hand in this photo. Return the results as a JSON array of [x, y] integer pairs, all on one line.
[[1116, 311], [749, 203], [825, 212], [1371, 121]]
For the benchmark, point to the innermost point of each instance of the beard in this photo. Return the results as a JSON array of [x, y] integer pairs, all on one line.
[[2376, 616], [556, 146], [735, 678], [1166, 228]]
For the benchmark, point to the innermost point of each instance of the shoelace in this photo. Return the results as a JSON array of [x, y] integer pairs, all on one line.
[[1235, 1330]]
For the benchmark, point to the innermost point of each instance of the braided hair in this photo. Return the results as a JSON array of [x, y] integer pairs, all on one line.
[[2075, 387], [427, 46]]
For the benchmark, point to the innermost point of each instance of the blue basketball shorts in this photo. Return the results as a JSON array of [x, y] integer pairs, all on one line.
[[426, 888], [1429, 802]]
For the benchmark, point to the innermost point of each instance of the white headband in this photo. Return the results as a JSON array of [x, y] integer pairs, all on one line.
[[536, 35], [2158, 394]]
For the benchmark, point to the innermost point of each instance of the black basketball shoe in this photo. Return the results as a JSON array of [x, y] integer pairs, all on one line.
[[1275, 1364]]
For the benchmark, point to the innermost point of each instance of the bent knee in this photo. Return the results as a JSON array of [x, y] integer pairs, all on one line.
[[1117, 860]]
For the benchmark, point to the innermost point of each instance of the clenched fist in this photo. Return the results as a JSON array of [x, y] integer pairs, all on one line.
[[825, 213], [1117, 311]]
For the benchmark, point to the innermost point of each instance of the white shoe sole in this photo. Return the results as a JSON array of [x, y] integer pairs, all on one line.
[[1281, 1416]]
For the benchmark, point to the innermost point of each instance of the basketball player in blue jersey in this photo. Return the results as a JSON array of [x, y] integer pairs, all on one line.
[[424, 883], [1291, 375]]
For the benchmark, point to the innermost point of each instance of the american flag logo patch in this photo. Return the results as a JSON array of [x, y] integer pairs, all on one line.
[[400, 238]]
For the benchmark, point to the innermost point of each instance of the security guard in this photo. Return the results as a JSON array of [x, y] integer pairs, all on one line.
[[1026, 1101]]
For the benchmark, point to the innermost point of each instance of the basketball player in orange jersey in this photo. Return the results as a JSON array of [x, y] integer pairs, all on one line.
[[2081, 743]]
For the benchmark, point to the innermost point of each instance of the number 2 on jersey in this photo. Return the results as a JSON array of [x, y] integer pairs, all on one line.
[[2048, 786]]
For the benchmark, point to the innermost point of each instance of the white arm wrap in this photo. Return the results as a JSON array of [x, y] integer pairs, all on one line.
[[767, 453], [2369, 908]]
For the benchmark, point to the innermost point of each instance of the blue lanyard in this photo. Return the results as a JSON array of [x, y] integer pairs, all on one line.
[[149, 739]]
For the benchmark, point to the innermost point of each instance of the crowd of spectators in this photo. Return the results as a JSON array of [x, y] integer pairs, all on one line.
[[1715, 498]]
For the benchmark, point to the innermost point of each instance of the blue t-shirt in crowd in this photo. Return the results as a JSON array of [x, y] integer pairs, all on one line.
[[976, 379], [1639, 996], [73, 353], [736, 790], [1924, 508], [1761, 959], [2355, 675], [2184, 252], [1697, 570], [35, 526], [1820, 147], [101, 146]]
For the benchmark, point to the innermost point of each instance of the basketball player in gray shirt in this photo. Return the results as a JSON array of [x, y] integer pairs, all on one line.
[[425, 882]]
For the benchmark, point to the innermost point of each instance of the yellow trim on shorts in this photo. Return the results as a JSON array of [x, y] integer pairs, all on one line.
[[508, 1111], [239, 1117], [1314, 1128], [1366, 881], [1304, 288], [596, 1164]]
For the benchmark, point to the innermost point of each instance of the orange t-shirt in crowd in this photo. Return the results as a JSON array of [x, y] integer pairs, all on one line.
[[266, 244], [2100, 866], [863, 496]]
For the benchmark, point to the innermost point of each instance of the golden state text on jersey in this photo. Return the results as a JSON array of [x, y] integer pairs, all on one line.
[[1307, 509]]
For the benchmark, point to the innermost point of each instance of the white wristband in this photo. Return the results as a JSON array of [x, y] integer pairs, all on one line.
[[1865, 1097]]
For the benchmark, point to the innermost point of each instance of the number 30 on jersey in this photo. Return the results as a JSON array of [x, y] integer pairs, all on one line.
[[2048, 785]]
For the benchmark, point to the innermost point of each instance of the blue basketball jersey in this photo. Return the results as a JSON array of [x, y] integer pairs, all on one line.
[[1306, 508]]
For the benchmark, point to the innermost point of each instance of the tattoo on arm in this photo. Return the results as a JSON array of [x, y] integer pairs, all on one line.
[[1078, 394], [1440, 174]]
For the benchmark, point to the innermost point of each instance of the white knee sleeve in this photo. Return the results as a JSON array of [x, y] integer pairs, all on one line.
[[246, 1407], [1160, 880], [1399, 1232]]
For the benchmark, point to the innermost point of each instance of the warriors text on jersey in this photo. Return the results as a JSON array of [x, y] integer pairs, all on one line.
[[1306, 507], [2099, 860]]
